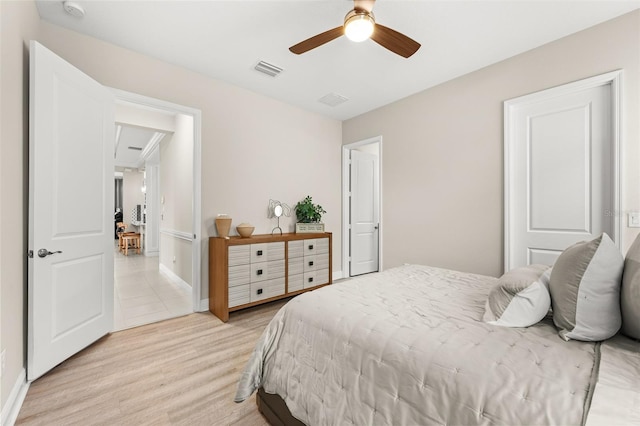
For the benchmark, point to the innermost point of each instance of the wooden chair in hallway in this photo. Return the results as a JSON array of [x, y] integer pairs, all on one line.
[[130, 240]]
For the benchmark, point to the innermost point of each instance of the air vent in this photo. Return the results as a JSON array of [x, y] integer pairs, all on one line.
[[268, 69], [135, 148], [333, 99]]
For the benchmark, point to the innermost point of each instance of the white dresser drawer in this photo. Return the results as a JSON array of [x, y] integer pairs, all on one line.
[[315, 262], [314, 278], [296, 282], [296, 266], [309, 247], [267, 251], [295, 249], [259, 252], [239, 295], [239, 255], [267, 289], [322, 276], [267, 270], [240, 274], [322, 246]]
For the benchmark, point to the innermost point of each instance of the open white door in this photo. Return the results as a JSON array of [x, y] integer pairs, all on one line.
[[71, 147], [364, 213]]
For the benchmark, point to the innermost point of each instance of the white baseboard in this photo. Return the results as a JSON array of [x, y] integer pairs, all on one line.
[[204, 305], [175, 278], [337, 275], [12, 407]]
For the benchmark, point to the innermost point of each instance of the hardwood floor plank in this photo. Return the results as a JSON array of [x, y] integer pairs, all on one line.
[[181, 371]]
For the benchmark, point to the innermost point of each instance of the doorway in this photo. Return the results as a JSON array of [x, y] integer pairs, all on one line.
[[163, 281], [361, 200], [71, 205]]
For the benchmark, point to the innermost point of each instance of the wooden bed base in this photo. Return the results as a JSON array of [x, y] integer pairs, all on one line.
[[274, 409]]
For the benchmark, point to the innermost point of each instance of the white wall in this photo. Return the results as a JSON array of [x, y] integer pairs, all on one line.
[[132, 194], [176, 176], [442, 151], [19, 23], [176, 189], [127, 113]]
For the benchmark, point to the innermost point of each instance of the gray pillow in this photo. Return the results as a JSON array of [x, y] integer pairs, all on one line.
[[520, 298], [585, 290], [630, 297]]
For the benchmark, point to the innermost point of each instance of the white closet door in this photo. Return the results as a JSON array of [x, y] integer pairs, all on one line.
[[561, 171]]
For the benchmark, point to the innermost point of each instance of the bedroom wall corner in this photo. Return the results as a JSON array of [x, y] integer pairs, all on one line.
[[443, 159]]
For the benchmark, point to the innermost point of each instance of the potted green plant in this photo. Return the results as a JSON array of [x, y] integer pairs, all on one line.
[[309, 216]]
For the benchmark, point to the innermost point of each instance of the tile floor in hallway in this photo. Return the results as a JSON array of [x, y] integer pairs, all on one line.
[[144, 294]]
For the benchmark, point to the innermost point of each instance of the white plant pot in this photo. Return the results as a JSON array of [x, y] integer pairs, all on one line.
[[309, 228]]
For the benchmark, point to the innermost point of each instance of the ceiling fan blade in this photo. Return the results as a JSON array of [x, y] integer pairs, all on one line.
[[394, 41], [364, 5], [317, 40]]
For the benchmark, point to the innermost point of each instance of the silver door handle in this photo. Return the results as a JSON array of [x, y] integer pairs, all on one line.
[[45, 252]]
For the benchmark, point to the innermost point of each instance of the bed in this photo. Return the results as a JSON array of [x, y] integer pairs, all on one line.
[[408, 346]]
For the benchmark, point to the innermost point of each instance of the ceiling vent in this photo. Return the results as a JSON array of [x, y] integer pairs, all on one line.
[[268, 69], [135, 148], [333, 99]]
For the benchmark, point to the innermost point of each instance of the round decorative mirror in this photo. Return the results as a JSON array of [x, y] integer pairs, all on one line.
[[277, 209]]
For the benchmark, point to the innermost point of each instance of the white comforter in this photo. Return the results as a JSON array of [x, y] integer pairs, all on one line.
[[407, 346]]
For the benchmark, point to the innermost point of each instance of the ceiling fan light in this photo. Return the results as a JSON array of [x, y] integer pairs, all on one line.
[[358, 25]]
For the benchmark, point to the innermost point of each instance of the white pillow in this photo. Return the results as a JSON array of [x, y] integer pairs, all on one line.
[[585, 290], [520, 298]]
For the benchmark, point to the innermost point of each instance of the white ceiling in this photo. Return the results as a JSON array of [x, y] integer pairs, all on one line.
[[225, 39], [131, 142]]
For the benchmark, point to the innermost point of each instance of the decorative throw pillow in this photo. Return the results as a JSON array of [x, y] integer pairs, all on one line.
[[630, 297], [520, 298], [585, 290]]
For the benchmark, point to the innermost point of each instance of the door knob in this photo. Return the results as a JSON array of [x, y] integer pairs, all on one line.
[[45, 252]]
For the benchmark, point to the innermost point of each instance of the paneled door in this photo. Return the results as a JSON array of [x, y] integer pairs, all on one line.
[[561, 169], [364, 221], [70, 269]]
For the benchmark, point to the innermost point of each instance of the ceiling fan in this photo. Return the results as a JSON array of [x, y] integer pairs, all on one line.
[[359, 25]]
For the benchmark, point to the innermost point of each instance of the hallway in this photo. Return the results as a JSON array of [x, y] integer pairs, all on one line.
[[143, 294]]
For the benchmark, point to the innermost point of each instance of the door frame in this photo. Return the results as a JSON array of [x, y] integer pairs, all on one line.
[[346, 234], [196, 241], [613, 78]]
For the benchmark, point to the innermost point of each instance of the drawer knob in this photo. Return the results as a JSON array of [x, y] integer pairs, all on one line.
[[310, 279], [311, 263], [310, 246], [259, 291], [259, 272], [259, 253]]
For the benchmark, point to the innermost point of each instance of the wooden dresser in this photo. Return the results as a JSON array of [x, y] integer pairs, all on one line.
[[245, 272]]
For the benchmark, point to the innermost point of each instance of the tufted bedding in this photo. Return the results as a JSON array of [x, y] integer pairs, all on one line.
[[407, 346]]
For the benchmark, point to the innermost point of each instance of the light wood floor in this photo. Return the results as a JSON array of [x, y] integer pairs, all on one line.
[[182, 371]]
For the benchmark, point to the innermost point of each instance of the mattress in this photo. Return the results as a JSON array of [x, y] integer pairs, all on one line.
[[407, 346]]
